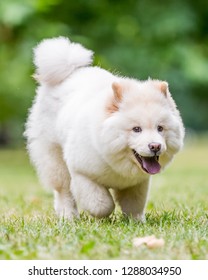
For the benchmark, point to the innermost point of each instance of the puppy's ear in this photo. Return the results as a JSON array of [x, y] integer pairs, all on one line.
[[116, 99], [164, 87], [117, 90]]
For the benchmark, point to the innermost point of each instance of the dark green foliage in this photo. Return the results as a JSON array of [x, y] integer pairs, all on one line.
[[161, 39]]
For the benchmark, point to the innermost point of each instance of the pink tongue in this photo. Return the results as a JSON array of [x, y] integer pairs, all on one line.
[[151, 165]]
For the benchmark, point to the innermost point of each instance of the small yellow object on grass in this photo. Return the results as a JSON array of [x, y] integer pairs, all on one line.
[[150, 241]]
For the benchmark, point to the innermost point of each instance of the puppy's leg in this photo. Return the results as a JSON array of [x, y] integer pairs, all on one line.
[[133, 200], [92, 197], [54, 174]]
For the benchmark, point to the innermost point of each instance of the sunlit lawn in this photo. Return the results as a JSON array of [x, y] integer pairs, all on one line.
[[177, 211]]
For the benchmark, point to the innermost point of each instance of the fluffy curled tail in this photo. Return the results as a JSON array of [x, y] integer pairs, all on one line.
[[55, 59]]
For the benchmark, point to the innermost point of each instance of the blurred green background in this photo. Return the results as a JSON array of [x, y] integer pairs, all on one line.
[[166, 40]]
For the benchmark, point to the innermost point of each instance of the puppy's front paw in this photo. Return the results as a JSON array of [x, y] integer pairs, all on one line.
[[64, 206], [140, 217], [66, 212]]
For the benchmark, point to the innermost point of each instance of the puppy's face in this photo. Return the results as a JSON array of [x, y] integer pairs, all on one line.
[[144, 124]]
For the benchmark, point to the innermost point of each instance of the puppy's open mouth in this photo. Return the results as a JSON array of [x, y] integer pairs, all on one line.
[[149, 164]]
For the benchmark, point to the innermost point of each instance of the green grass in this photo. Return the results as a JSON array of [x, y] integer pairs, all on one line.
[[176, 211]]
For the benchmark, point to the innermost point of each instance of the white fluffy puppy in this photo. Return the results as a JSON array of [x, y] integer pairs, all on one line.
[[90, 131]]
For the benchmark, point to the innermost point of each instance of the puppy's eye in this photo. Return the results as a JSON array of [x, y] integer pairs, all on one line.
[[137, 129], [159, 128]]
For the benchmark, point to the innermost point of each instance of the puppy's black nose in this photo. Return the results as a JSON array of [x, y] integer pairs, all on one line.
[[154, 147]]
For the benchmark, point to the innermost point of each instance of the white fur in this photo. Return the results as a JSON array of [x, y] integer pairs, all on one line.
[[57, 58], [81, 146]]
